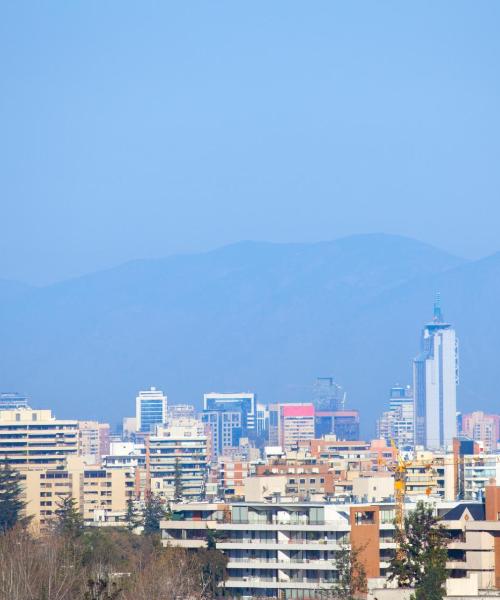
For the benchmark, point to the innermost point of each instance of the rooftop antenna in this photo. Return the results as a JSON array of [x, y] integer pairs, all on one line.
[[438, 315]]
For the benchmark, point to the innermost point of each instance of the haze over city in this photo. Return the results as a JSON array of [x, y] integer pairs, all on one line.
[[249, 300]]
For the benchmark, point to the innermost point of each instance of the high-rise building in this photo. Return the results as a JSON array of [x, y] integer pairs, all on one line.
[[34, 439], [328, 395], [397, 423], [482, 428], [12, 401], [179, 448], [93, 440], [230, 417], [290, 424], [435, 378], [150, 409]]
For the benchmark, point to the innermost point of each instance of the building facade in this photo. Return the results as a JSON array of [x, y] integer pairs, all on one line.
[[150, 409], [435, 378], [35, 439]]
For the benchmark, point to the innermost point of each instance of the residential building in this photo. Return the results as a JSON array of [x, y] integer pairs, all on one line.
[[482, 427], [230, 417], [305, 475], [397, 424], [435, 378], [150, 409], [231, 476], [179, 447], [35, 439], [289, 549], [291, 423], [93, 440], [100, 494]]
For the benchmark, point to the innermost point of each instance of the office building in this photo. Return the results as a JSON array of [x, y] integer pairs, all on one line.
[[482, 427], [328, 395], [435, 378], [229, 417], [397, 423], [35, 439], [150, 409]]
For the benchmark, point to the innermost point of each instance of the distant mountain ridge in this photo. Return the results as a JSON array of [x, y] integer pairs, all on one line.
[[250, 316]]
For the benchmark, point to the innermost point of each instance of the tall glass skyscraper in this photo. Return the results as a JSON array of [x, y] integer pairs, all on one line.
[[435, 379], [150, 409]]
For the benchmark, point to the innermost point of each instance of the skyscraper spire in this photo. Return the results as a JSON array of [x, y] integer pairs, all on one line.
[[438, 315]]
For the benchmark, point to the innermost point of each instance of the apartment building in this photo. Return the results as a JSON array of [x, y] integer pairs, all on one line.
[[305, 475], [100, 494], [291, 423], [35, 439], [93, 440], [289, 549], [482, 427], [180, 446]]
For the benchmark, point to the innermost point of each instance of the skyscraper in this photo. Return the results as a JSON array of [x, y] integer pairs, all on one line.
[[150, 409], [435, 378]]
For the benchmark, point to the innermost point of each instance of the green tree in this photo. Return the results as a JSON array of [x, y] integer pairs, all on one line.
[[69, 520], [132, 516], [154, 512], [178, 487], [11, 502], [421, 562]]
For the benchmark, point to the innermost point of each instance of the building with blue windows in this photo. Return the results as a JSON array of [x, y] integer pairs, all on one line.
[[150, 409]]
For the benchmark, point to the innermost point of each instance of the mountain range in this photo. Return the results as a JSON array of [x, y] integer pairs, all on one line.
[[255, 316]]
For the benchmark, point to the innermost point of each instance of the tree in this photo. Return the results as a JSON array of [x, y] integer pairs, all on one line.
[[421, 561], [11, 502], [69, 521], [178, 487], [154, 512], [351, 575], [212, 572], [132, 517], [101, 588]]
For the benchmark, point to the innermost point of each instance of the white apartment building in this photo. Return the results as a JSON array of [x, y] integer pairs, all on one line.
[[181, 445], [287, 550]]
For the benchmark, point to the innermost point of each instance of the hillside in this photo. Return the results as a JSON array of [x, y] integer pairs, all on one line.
[[259, 316]]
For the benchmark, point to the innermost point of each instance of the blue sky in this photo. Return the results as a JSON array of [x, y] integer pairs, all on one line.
[[141, 129]]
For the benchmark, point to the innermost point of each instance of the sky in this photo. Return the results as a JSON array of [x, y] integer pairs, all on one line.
[[141, 129]]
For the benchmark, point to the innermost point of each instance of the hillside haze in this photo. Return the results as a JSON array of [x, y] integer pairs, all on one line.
[[250, 316]]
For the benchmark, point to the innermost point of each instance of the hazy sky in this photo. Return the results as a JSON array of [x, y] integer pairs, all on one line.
[[139, 129]]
